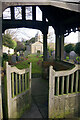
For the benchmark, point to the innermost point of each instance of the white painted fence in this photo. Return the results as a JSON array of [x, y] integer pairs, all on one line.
[[18, 86], [62, 83]]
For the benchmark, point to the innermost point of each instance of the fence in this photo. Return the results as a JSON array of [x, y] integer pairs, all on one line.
[[18, 90], [62, 83]]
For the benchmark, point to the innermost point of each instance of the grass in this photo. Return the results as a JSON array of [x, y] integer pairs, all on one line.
[[36, 63]]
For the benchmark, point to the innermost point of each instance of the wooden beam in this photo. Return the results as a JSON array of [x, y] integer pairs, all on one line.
[[12, 13], [33, 12], [6, 24], [23, 13]]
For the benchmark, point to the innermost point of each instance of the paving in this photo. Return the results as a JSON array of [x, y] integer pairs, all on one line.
[[39, 93]]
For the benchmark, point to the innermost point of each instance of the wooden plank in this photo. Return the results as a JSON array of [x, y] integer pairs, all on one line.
[[28, 80], [72, 83], [76, 87], [62, 86], [12, 84], [57, 88], [66, 72], [16, 84], [67, 84], [19, 83], [23, 82]]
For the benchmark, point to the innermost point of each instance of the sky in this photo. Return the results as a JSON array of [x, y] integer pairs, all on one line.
[[26, 33]]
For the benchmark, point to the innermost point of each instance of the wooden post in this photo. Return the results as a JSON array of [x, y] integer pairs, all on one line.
[[23, 13], [8, 74], [30, 75], [19, 83], [27, 80], [76, 88], [59, 47], [57, 87], [72, 83], [45, 46], [23, 82], [12, 84], [51, 90], [16, 85], [33, 12], [12, 13], [62, 86], [67, 84]]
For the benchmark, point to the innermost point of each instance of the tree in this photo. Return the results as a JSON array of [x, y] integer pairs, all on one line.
[[8, 42], [20, 46], [77, 48], [68, 48]]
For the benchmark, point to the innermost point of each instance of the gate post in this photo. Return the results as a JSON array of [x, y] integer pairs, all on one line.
[[51, 92], [30, 74], [8, 74], [1, 113]]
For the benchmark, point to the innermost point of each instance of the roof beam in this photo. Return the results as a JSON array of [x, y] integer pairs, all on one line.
[[7, 24]]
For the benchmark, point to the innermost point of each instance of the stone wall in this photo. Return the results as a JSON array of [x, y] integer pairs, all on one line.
[[66, 106]]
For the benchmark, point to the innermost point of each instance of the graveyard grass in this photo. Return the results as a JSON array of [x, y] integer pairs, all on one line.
[[36, 63]]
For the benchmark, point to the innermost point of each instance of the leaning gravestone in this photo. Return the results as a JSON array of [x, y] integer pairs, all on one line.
[[72, 55], [13, 59]]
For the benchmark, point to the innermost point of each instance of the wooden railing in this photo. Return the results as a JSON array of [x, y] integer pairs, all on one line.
[[64, 82]]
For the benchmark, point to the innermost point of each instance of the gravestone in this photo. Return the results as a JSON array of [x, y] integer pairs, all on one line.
[[53, 54], [25, 53], [13, 59], [72, 55]]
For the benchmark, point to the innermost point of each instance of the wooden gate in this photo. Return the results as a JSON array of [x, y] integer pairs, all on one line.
[[18, 90], [64, 92]]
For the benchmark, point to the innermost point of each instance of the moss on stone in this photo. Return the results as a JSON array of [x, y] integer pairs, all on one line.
[[27, 107]]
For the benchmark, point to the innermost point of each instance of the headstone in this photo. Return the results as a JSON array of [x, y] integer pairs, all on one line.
[[72, 55], [13, 59], [28, 49], [53, 54], [25, 53]]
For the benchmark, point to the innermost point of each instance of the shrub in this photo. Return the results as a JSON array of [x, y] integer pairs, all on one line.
[[5, 56], [68, 48], [77, 48]]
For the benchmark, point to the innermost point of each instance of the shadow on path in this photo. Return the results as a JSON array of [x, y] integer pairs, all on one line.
[[39, 107]]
